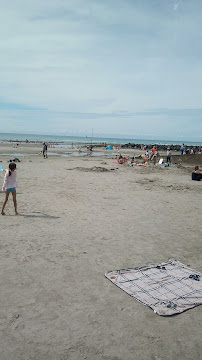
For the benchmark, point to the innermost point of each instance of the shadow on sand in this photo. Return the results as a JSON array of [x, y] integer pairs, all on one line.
[[37, 214]]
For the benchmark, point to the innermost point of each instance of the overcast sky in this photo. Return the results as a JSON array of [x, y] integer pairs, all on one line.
[[128, 67]]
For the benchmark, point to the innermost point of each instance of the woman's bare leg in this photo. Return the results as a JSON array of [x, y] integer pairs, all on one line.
[[15, 201], [5, 201]]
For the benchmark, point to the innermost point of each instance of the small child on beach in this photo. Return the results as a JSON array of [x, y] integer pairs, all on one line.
[[9, 186]]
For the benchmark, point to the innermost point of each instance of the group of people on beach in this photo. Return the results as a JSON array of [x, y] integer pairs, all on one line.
[[10, 183], [193, 150], [152, 155], [44, 150]]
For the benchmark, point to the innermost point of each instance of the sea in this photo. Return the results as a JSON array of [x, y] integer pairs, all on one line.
[[87, 139]]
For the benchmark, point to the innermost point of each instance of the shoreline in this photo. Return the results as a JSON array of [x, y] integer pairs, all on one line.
[[127, 145], [108, 139]]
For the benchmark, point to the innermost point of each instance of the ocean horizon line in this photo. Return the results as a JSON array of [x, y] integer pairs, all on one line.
[[95, 139]]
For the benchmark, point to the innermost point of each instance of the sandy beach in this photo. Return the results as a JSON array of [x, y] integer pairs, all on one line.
[[77, 219]]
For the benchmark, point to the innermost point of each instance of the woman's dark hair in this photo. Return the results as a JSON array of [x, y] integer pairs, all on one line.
[[12, 166], [196, 167]]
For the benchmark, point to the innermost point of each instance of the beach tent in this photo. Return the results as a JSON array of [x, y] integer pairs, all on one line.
[[109, 147]]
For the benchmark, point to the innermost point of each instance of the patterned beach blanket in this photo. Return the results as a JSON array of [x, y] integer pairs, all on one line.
[[168, 288]]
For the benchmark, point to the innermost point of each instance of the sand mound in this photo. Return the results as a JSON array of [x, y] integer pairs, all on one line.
[[93, 169], [195, 159]]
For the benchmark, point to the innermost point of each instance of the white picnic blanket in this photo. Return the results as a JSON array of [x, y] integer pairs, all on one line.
[[167, 288]]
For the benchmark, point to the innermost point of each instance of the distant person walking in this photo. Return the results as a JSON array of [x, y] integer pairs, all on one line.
[[44, 150], [9, 186]]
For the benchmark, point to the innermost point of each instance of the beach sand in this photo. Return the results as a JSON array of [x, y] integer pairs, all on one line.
[[76, 222]]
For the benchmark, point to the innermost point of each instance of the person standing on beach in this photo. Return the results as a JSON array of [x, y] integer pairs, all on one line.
[[182, 149], [44, 151], [168, 155], [9, 186]]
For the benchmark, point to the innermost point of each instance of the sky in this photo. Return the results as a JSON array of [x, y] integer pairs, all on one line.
[[119, 67]]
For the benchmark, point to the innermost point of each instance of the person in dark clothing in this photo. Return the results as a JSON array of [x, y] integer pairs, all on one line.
[[197, 174]]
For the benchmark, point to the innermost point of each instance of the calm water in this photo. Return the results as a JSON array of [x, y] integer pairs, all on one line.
[[86, 140], [74, 153]]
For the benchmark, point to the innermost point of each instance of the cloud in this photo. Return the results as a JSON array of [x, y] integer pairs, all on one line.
[[98, 57], [175, 6]]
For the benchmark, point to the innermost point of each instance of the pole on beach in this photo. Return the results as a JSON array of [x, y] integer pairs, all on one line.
[[92, 137]]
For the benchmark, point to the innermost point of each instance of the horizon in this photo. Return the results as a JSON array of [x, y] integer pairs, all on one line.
[[103, 136]]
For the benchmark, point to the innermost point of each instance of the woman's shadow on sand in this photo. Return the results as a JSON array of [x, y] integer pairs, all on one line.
[[38, 214]]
